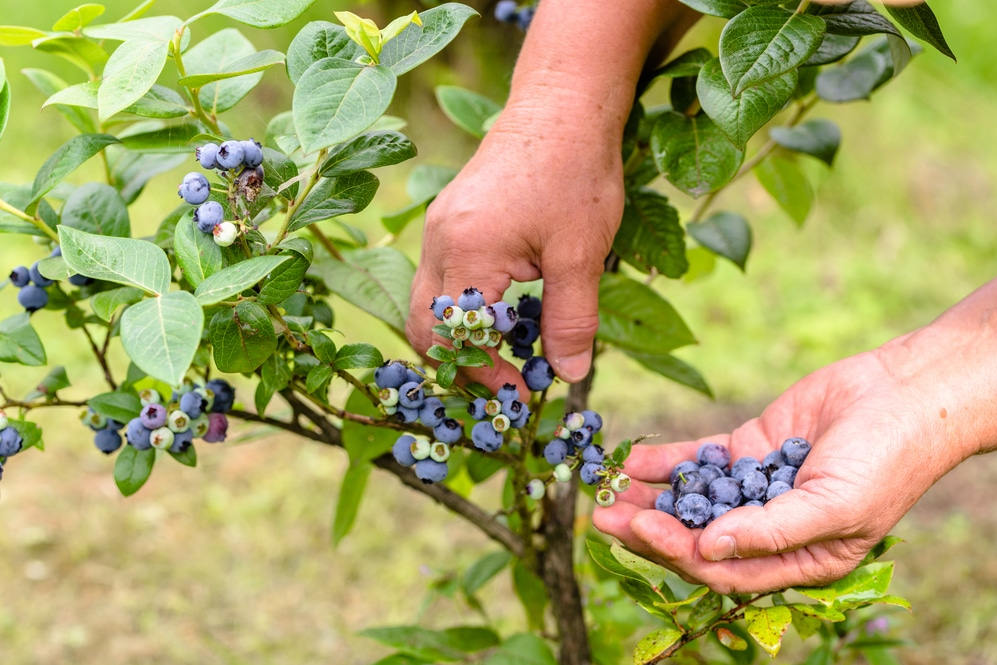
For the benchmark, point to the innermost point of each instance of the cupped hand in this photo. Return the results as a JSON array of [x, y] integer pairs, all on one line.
[[536, 200], [878, 445]]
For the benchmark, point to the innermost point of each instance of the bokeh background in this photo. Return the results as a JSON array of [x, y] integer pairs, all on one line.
[[233, 562]]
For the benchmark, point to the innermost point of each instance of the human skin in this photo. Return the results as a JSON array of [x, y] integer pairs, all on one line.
[[885, 425]]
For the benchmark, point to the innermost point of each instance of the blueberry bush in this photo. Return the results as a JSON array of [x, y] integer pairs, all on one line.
[[238, 280]]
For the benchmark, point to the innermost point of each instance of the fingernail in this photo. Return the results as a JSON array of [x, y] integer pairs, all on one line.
[[725, 548], [574, 368]]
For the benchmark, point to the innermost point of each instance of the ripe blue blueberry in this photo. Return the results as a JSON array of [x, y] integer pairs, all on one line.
[[785, 474], [581, 437], [776, 488], [432, 412], [529, 307], [37, 277], [32, 297], [593, 454], [690, 483], [411, 395], [391, 374], [411, 375], [230, 154], [252, 153], [725, 490], [506, 11], [693, 510], [485, 437], [208, 215], [448, 431], [525, 17], [195, 188], [20, 276], [512, 408], [207, 155], [402, 450], [80, 280], [476, 409], [193, 404], [795, 450], [538, 374], [154, 416], [743, 466], [505, 316], [522, 351], [182, 440], [713, 453], [440, 304], [666, 502], [430, 471], [711, 472], [555, 452], [773, 461], [138, 434], [718, 510], [592, 420], [591, 473], [506, 392], [407, 415], [753, 485], [224, 395], [470, 298], [753, 502], [10, 441], [681, 468], [521, 418], [525, 332]]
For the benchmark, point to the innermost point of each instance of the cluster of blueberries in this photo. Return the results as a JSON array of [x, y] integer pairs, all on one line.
[[10, 440], [704, 489], [509, 11], [573, 446], [242, 159], [32, 285]]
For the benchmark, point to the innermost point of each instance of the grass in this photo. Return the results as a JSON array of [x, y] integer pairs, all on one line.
[[232, 562]]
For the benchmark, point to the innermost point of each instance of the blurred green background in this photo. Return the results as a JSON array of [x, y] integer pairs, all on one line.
[[232, 562]]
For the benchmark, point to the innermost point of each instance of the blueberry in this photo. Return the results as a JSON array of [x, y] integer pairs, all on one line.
[[20, 276], [208, 215], [772, 462], [592, 420], [753, 485], [522, 351], [448, 431], [753, 502], [538, 374], [154, 416], [470, 298], [407, 415], [440, 303], [581, 437], [512, 408], [506, 392], [506, 11], [725, 490], [666, 502], [32, 297], [217, 428], [37, 277], [391, 374], [536, 489], [411, 395], [195, 188], [476, 409], [711, 472], [193, 404], [555, 452], [80, 280], [562, 473], [182, 440], [224, 395], [501, 422], [682, 468], [795, 450], [207, 155], [785, 474], [420, 448], [593, 454], [430, 471], [591, 473], [225, 233], [718, 510], [743, 466], [138, 434], [162, 438], [10, 441], [402, 450], [439, 451], [776, 488], [230, 154], [690, 483], [529, 307], [693, 510], [505, 316], [525, 17], [199, 426], [411, 375], [525, 332], [94, 420], [713, 453], [521, 418], [453, 316], [432, 412], [252, 153], [485, 438]]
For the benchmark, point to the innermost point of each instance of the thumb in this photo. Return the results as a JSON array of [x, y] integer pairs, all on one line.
[[570, 313]]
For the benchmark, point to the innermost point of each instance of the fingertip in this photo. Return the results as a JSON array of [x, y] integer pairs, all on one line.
[[574, 368]]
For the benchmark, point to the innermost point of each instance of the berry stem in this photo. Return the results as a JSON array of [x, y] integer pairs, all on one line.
[[302, 195], [192, 93], [37, 223], [101, 355]]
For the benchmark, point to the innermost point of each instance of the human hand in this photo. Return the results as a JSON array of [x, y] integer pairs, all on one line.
[[878, 445]]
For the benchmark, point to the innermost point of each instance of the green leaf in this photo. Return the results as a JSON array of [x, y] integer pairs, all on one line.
[[687, 64], [650, 235], [257, 13], [692, 153], [467, 109], [153, 28], [472, 639], [286, 279], [86, 54], [129, 74], [54, 381], [120, 406], [31, 434], [921, 22], [764, 43], [17, 35], [55, 268], [19, 343], [427, 180], [767, 625], [832, 49], [70, 156], [198, 255], [634, 317], [50, 85], [818, 138], [120, 260], [788, 185], [376, 280], [161, 335], [621, 452], [721, 8], [78, 18], [357, 356], [522, 649], [278, 170], [726, 234], [881, 548], [350, 495], [416, 641], [471, 356], [402, 659], [483, 570], [218, 52], [648, 571], [105, 303], [854, 80], [706, 610], [367, 151], [739, 117], [132, 468], [446, 373], [274, 375], [171, 139], [96, 208], [441, 354], [531, 592], [236, 278], [131, 171], [4, 99], [323, 347], [605, 557], [343, 195], [242, 338], [188, 457], [856, 19], [337, 99], [316, 41], [250, 64], [417, 44], [655, 644]]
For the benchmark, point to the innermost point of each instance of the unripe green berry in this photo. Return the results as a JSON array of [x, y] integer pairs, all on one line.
[[472, 320], [460, 333], [494, 338], [421, 448], [161, 438], [390, 410], [487, 317], [500, 422], [605, 497], [94, 419], [574, 421], [200, 425], [3, 419], [388, 396], [536, 488], [440, 451], [493, 407], [150, 396], [562, 432], [209, 397], [620, 482], [225, 234], [178, 421], [479, 337], [562, 473], [453, 316]]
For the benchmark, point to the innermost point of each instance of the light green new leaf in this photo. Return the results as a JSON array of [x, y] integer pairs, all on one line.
[[376, 280], [132, 468], [467, 109], [78, 18], [98, 209], [785, 181], [417, 44], [634, 317], [130, 72], [4, 99], [726, 234], [153, 28], [257, 62], [653, 645], [120, 260], [19, 35], [19, 343], [350, 495], [767, 625], [69, 156], [337, 99], [763, 43], [106, 303], [236, 278], [257, 13], [161, 335], [198, 255]]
